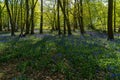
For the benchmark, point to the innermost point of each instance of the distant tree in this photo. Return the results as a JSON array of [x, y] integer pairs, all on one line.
[[110, 14], [90, 14], [54, 17], [0, 17]]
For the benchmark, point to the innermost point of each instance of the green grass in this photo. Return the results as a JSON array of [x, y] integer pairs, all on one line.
[[73, 58]]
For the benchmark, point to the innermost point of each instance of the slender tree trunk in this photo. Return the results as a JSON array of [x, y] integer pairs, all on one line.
[[18, 20], [41, 22], [58, 17], [81, 18], [114, 15], [16, 13], [75, 16], [1, 24], [21, 6], [54, 18], [110, 13], [64, 6], [0, 18], [90, 16], [56, 27], [27, 17], [32, 22], [32, 18], [11, 20], [67, 19], [8, 22]]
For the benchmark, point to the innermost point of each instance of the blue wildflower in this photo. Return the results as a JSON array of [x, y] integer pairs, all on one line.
[[118, 74], [59, 55], [113, 75]]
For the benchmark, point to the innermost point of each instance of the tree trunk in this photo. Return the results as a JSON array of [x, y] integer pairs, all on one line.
[[11, 20], [75, 16], [81, 18], [0, 18], [58, 18], [114, 15], [64, 6], [41, 22], [32, 18], [0, 24], [90, 16], [110, 13], [66, 17], [54, 18], [27, 17], [22, 27]]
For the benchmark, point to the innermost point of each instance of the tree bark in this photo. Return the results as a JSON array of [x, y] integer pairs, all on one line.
[[58, 17], [27, 17], [114, 15], [64, 6], [32, 18], [81, 18], [110, 13], [0, 18], [66, 17], [21, 26], [41, 22], [11, 20], [75, 15]]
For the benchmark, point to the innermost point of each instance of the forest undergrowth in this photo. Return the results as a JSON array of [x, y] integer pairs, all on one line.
[[50, 57]]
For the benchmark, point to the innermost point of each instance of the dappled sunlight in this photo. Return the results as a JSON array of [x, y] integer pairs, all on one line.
[[63, 55], [59, 40]]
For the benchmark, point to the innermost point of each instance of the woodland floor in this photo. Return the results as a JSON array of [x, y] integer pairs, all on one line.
[[53, 57]]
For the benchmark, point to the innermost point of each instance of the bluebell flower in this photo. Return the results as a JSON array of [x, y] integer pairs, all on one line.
[[14, 79], [110, 68], [95, 44], [107, 55], [84, 43], [97, 70], [97, 52], [66, 47], [71, 59], [119, 50], [3, 40], [59, 55], [113, 75], [54, 59], [118, 74]]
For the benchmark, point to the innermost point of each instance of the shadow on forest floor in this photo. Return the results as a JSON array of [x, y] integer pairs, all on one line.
[[60, 57]]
